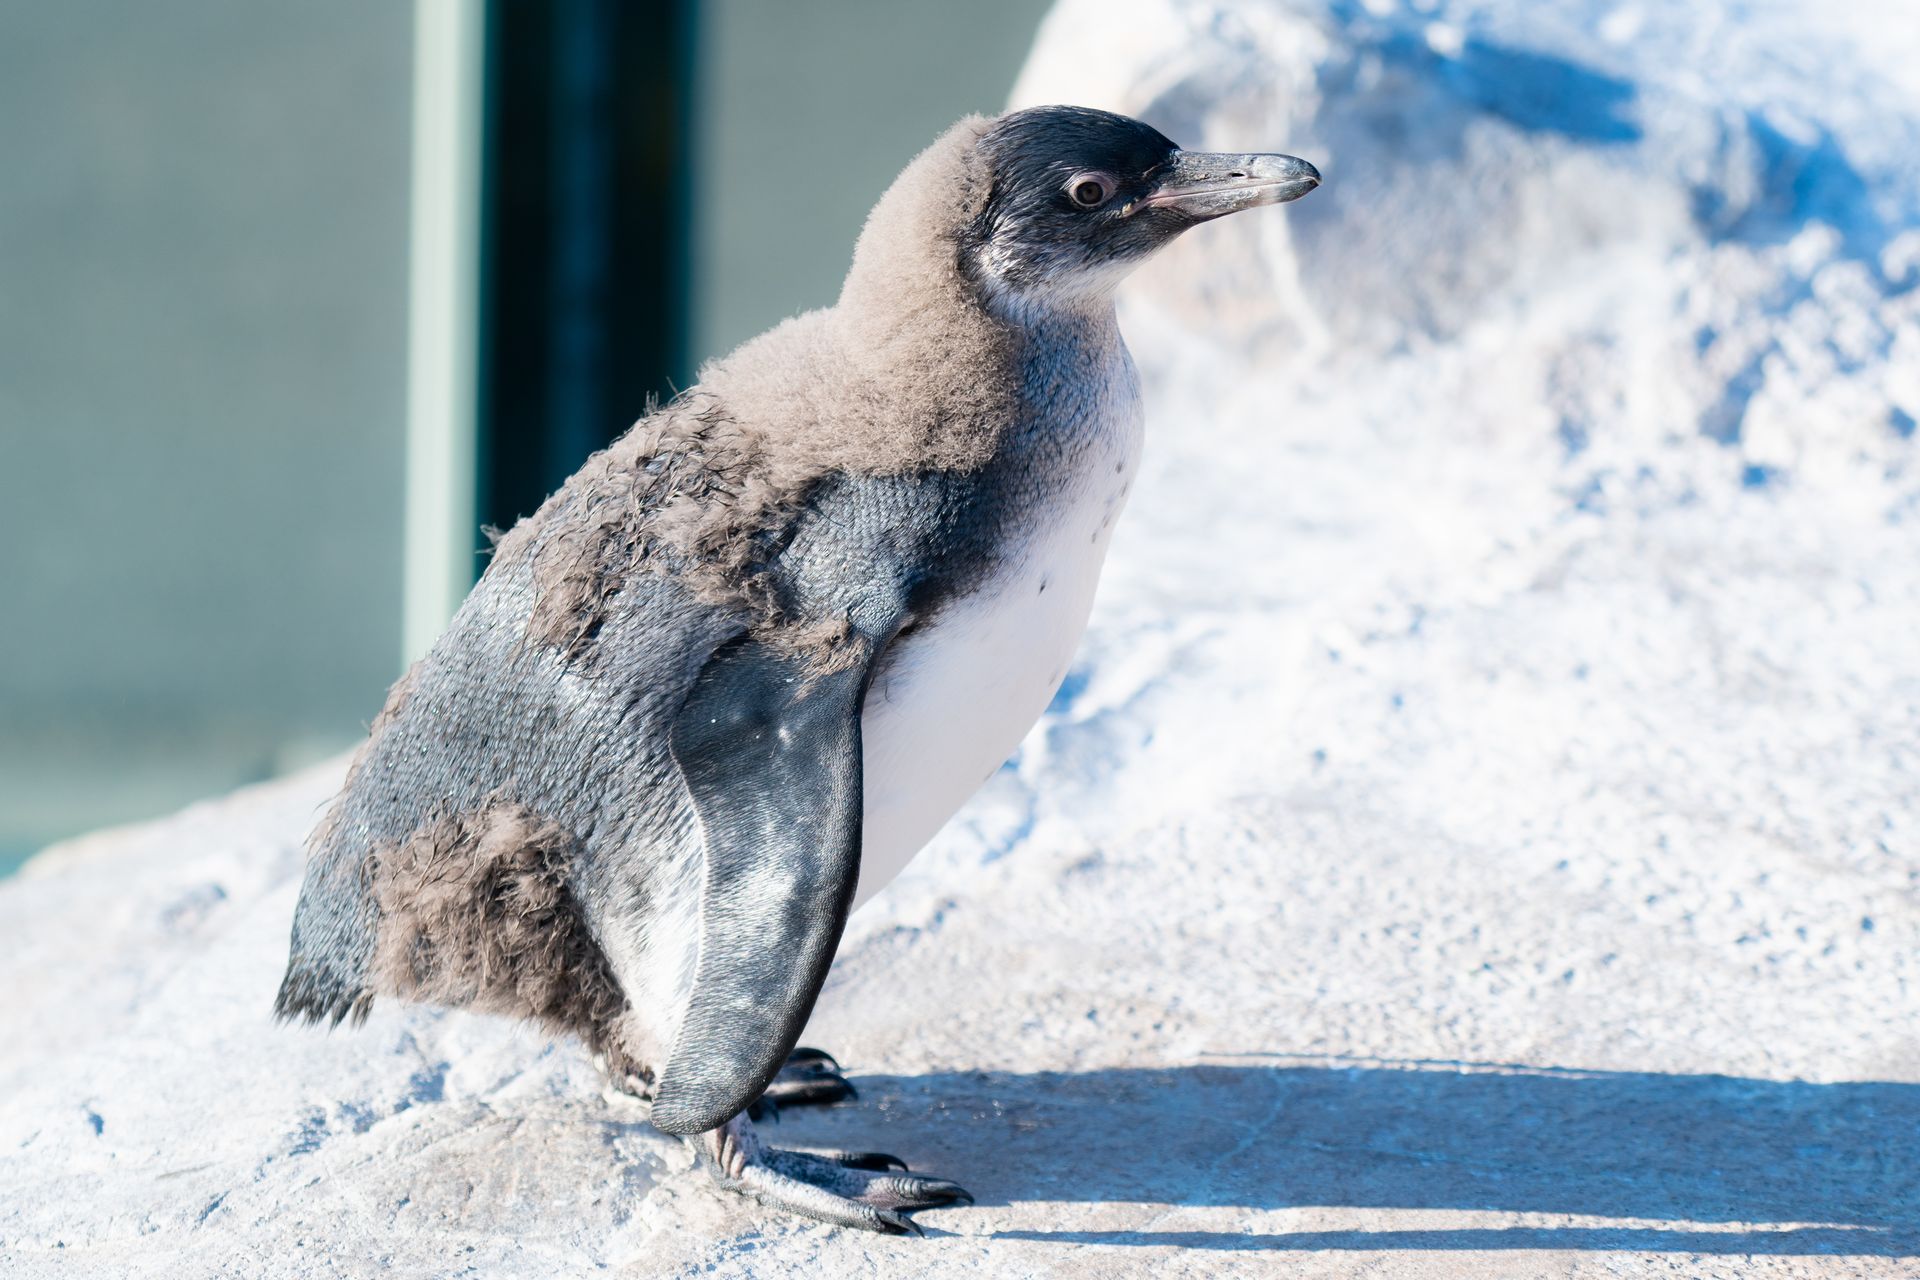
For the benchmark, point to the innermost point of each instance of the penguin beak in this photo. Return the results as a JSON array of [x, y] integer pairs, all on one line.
[[1204, 185]]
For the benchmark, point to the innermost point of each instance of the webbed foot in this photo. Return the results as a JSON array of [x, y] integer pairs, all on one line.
[[808, 1078], [865, 1189]]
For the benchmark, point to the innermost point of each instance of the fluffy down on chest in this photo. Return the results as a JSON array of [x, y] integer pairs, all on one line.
[[952, 700]]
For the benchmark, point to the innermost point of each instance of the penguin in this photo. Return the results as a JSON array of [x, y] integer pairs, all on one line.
[[725, 682]]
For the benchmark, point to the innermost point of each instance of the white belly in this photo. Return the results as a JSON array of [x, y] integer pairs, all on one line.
[[952, 700]]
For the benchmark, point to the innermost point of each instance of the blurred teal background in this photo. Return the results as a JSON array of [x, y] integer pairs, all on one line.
[[204, 334]]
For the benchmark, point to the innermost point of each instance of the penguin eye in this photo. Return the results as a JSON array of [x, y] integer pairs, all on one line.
[[1090, 190]]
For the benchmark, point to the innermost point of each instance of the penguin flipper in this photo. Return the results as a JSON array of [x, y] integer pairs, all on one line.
[[770, 752]]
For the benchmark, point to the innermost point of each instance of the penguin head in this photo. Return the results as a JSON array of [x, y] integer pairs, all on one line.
[[1079, 198]]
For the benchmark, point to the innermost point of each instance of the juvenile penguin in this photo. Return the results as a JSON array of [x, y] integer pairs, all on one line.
[[727, 680]]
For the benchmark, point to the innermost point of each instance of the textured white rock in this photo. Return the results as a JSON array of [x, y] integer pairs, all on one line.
[[1508, 658]]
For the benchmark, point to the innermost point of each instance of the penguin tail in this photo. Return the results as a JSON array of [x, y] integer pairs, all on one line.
[[329, 954], [314, 992]]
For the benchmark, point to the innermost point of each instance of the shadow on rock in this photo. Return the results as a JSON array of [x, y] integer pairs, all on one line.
[[1793, 1168]]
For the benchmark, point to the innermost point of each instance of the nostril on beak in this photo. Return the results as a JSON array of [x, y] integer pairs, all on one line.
[[1238, 173]]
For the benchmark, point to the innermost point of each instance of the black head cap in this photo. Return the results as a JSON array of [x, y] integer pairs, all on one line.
[[1080, 197]]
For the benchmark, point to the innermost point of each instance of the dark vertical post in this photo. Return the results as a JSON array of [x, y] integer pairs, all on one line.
[[584, 234]]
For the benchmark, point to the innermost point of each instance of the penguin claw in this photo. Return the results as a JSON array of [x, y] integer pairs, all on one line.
[[921, 1193], [806, 1090], [876, 1161], [899, 1224], [805, 1057]]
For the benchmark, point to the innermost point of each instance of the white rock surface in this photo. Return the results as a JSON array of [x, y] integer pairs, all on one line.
[[1479, 837]]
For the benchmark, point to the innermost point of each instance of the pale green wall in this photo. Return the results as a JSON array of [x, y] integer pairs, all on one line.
[[202, 356]]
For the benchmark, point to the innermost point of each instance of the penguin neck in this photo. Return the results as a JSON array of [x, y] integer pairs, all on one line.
[[1054, 332], [1074, 371], [1044, 320]]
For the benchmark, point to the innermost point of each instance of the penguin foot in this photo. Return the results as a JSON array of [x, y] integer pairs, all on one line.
[[809, 1077], [865, 1189], [624, 1075]]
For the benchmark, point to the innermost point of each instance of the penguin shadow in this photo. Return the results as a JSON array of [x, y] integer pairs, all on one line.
[[1661, 1163]]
